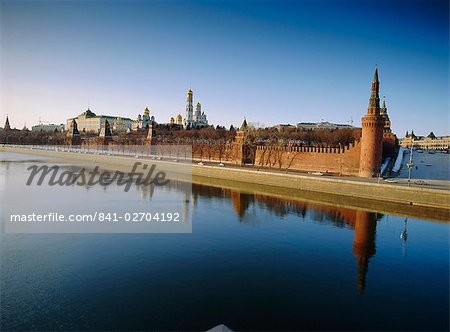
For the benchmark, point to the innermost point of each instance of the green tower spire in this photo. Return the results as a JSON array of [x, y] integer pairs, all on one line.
[[374, 102], [243, 125], [375, 75]]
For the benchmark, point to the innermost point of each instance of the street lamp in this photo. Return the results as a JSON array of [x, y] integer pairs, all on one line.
[[410, 163]]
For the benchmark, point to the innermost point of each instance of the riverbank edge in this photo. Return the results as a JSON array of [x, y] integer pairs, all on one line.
[[434, 203]]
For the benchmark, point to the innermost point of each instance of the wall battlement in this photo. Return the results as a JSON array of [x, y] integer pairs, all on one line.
[[339, 160], [311, 149]]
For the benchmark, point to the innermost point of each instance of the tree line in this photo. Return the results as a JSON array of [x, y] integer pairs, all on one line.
[[207, 135]]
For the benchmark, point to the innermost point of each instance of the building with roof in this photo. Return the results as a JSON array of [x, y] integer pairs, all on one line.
[[88, 121], [193, 119], [48, 127], [144, 121], [430, 142], [322, 125]]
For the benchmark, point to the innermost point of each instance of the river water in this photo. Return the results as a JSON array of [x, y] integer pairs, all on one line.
[[427, 166], [252, 262]]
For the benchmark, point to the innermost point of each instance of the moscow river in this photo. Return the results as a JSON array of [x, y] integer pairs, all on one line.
[[252, 262], [427, 166]]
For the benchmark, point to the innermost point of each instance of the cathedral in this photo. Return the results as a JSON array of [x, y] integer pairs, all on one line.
[[143, 121], [193, 119]]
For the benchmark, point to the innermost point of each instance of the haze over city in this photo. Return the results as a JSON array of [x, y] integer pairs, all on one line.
[[296, 62]]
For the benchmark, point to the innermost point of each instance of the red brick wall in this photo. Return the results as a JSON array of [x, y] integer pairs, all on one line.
[[344, 160], [333, 160]]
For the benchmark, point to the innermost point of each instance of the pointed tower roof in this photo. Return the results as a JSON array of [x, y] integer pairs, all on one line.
[[244, 125], [106, 129], [375, 75], [374, 101], [7, 126], [73, 130], [383, 106], [432, 136]]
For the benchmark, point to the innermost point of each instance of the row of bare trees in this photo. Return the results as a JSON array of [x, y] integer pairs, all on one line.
[[207, 135], [15, 136]]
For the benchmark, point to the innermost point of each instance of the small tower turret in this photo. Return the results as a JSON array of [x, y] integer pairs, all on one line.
[[73, 135], [243, 150], [179, 120], [151, 134], [198, 115], [7, 126], [105, 135], [387, 121]]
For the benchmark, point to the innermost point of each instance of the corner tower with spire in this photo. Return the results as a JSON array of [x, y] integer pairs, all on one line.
[[372, 134], [7, 126]]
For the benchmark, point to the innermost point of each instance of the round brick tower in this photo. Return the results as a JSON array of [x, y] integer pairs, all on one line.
[[372, 134]]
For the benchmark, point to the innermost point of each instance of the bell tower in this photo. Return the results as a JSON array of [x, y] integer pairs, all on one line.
[[189, 110], [372, 134]]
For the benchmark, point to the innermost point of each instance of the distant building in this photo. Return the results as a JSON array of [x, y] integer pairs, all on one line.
[[142, 122], [193, 120], [90, 122], [430, 142], [48, 127], [282, 127], [322, 125]]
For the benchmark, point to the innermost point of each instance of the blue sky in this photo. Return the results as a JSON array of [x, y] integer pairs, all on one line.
[[272, 62]]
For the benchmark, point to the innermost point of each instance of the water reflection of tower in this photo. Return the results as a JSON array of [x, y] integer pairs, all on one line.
[[146, 191], [241, 202], [404, 237], [186, 210], [364, 243]]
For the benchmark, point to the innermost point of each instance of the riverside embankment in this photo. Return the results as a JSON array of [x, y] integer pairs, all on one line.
[[392, 198]]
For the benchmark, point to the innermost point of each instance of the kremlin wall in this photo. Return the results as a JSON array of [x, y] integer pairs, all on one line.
[[362, 157]]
